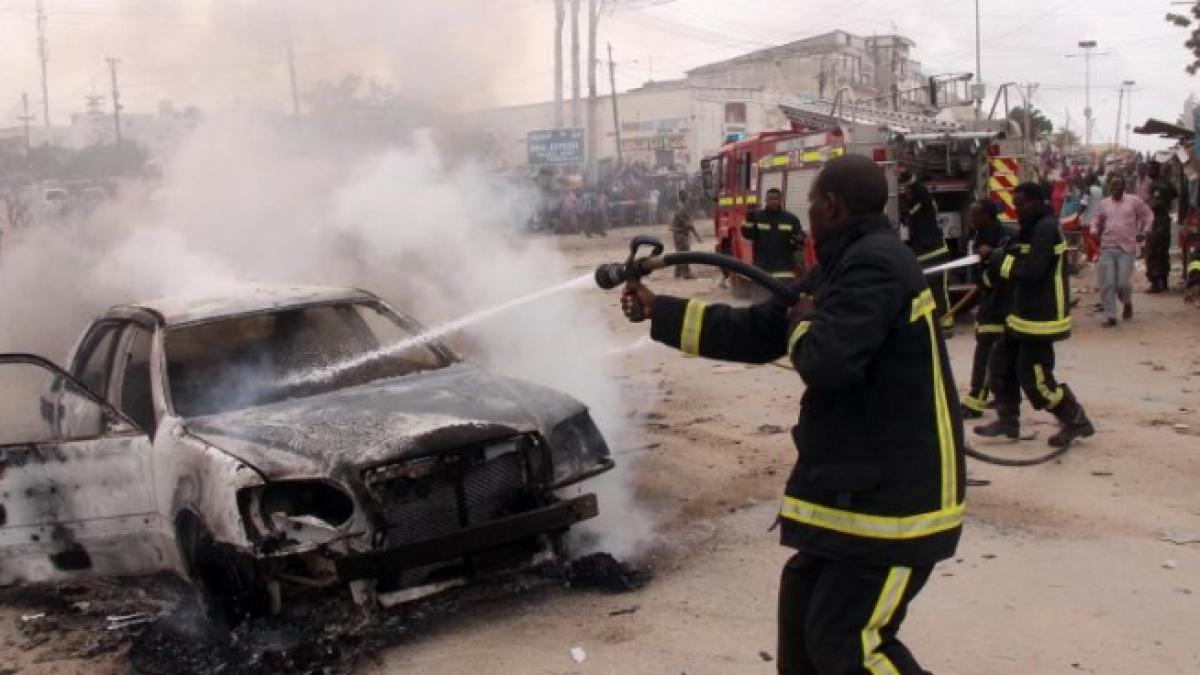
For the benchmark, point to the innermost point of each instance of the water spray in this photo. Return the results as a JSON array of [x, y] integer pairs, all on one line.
[[333, 370]]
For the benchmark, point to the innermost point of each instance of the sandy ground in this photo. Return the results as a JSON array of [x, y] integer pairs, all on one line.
[[1062, 568]]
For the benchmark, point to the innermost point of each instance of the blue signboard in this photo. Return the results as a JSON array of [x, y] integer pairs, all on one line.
[[556, 146]]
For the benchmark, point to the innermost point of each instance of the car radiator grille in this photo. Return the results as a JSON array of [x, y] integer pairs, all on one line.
[[436, 496]]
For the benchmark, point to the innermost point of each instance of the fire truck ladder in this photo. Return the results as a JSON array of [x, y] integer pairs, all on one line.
[[824, 114]]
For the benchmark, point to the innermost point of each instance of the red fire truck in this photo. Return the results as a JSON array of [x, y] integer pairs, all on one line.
[[957, 165]]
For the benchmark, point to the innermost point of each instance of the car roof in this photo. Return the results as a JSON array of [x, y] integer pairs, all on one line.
[[239, 300]]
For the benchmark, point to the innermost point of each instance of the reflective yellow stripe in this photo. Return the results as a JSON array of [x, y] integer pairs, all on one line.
[[837, 152], [764, 226], [738, 200], [933, 254], [784, 275], [869, 526], [1194, 266], [1052, 396], [785, 228], [921, 305], [812, 156], [945, 425], [914, 209], [986, 278], [1060, 293], [782, 160], [978, 405], [1059, 248], [1029, 327], [693, 321], [876, 662], [752, 199], [989, 328], [1006, 266], [798, 332], [725, 201]]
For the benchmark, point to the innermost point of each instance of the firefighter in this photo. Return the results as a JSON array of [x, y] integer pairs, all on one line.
[[1035, 266], [1158, 245], [876, 497], [776, 236], [993, 298], [682, 230], [919, 213]]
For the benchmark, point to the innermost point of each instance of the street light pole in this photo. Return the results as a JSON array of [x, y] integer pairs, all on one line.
[[1128, 84], [978, 69], [1087, 46]]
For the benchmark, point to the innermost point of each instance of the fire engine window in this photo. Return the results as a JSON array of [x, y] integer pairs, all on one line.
[[744, 171], [735, 113]]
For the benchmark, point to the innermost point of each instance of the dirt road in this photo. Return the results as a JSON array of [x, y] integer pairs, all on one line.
[[1063, 567]]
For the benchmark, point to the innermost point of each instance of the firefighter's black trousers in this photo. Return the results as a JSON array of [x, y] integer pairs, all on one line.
[[838, 618], [985, 344], [1024, 366]]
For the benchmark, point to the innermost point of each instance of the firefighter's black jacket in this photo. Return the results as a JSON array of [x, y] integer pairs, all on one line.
[[994, 293], [1036, 267], [772, 234], [925, 237], [879, 478]]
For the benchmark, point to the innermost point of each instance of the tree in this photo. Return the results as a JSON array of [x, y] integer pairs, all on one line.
[[1193, 41], [1039, 124]]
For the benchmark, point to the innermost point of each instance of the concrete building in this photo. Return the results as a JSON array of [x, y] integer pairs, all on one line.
[[670, 126]]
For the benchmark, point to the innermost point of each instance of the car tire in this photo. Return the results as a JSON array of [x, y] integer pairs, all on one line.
[[227, 588]]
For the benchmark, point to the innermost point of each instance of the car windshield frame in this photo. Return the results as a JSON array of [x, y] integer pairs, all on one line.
[[446, 356]]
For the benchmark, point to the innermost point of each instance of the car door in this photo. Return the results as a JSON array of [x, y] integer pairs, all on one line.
[[74, 499]]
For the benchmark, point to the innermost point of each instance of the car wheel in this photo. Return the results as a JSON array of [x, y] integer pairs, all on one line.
[[227, 587]]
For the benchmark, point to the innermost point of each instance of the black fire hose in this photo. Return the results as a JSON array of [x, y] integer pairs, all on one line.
[[611, 275]]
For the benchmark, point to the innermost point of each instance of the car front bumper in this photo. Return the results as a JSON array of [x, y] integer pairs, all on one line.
[[470, 540]]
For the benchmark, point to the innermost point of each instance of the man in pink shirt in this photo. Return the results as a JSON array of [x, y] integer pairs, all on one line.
[[1120, 226]]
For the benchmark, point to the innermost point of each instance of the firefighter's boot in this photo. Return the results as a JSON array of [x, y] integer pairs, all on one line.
[[1074, 421], [1008, 424]]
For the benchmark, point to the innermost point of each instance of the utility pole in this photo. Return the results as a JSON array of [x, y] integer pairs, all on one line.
[[978, 68], [612, 82], [1128, 84], [116, 98], [590, 148], [291, 60], [1027, 116], [1120, 105], [575, 121], [25, 119], [43, 57], [560, 15]]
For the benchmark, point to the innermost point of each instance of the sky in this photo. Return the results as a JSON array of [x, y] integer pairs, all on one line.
[[479, 53]]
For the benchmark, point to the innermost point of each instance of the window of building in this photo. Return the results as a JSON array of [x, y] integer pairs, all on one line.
[[735, 113]]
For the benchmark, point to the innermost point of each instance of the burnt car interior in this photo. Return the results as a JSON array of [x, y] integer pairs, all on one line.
[[242, 362]]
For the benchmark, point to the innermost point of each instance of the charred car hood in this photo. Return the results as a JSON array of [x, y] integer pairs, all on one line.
[[377, 423]]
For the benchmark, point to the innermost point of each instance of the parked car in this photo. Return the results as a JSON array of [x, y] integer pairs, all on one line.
[[274, 441]]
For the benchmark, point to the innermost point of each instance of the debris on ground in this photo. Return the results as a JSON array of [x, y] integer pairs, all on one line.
[[1170, 564], [766, 656], [771, 429], [578, 655], [603, 572], [625, 610], [1181, 537]]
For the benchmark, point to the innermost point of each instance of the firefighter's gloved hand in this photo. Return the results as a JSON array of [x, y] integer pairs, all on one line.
[[635, 289]]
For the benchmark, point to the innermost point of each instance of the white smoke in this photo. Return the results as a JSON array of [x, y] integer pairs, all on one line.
[[242, 202]]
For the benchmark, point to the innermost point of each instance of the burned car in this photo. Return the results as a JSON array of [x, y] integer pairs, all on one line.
[[279, 441]]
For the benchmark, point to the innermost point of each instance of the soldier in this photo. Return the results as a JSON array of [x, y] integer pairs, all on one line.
[[682, 229], [1158, 244]]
